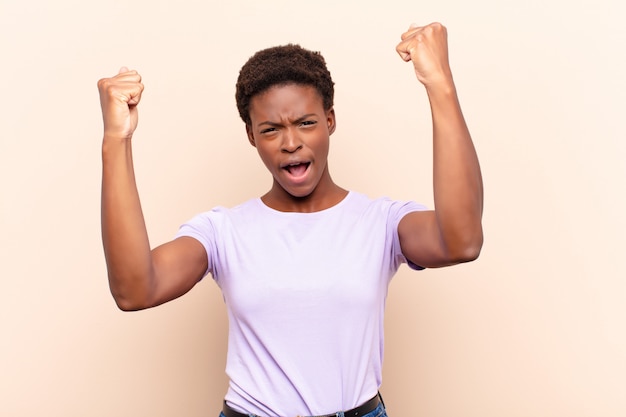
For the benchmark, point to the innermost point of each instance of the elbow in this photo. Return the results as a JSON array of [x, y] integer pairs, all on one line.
[[126, 299], [127, 305], [468, 251], [471, 253]]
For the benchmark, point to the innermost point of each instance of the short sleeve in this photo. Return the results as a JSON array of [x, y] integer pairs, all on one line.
[[397, 211], [202, 228]]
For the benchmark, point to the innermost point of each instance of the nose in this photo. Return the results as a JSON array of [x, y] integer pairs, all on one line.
[[291, 142]]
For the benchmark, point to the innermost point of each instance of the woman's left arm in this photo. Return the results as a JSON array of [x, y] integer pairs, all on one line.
[[452, 233]]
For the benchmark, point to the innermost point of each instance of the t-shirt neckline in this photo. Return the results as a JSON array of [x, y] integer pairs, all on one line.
[[299, 213]]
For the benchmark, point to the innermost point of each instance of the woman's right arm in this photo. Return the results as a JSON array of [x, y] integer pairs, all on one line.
[[138, 276]]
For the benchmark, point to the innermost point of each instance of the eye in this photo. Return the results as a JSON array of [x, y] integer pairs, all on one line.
[[268, 130], [308, 123]]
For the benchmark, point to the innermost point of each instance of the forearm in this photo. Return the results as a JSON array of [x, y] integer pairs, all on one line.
[[124, 235], [457, 180]]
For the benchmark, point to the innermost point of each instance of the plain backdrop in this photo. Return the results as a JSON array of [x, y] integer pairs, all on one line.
[[535, 327]]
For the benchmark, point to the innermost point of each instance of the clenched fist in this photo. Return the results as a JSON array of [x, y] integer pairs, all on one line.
[[119, 97], [427, 48]]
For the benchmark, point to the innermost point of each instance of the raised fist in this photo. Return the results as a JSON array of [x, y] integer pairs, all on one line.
[[119, 97], [427, 48]]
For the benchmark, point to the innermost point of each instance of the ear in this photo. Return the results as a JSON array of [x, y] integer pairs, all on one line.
[[250, 135], [331, 120]]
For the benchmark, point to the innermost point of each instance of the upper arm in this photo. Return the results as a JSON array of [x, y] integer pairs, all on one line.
[[422, 242], [419, 239], [178, 266]]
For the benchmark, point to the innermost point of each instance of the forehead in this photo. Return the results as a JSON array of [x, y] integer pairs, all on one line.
[[286, 101]]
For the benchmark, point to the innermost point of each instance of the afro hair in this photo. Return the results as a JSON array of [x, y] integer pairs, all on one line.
[[280, 65]]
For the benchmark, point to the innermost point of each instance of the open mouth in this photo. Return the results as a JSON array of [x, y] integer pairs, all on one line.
[[297, 169]]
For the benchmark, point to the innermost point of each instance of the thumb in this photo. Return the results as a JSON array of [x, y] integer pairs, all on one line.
[[122, 70]]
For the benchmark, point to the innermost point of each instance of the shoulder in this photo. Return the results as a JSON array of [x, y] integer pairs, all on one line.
[[384, 204], [218, 213], [210, 222]]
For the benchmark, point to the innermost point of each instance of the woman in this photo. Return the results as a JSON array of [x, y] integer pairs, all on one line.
[[304, 269]]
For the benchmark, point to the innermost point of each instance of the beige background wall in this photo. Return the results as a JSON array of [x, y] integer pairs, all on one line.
[[535, 327]]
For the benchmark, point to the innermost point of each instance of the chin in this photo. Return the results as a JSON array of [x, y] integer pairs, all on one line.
[[301, 194]]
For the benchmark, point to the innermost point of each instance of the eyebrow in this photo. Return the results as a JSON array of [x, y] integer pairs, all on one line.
[[298, 120]]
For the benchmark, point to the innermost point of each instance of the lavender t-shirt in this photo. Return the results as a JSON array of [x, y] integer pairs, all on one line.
[[305, 295]]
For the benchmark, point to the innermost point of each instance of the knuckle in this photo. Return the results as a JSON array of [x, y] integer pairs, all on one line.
[[439, 28], [110, 89]]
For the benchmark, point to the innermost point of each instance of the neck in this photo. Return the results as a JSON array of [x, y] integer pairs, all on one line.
[[327, 194]]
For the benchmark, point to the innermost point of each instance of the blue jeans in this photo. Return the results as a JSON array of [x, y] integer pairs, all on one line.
[[377, 412]]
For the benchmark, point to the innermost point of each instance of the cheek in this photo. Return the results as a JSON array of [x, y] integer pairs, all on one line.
[[323, 147], [265, 156]]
